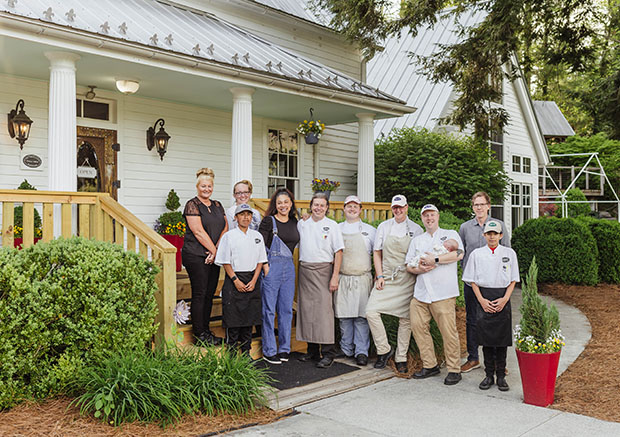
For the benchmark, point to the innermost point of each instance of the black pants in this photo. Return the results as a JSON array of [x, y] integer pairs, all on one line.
[[325, 350], [241, 335], [495, 360], [472, 307], [203, 279]]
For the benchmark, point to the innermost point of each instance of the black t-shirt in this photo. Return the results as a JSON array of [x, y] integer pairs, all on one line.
[[213, 219], [287, 232]]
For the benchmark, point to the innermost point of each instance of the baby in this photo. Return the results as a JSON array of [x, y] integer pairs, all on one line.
[[448, 246]]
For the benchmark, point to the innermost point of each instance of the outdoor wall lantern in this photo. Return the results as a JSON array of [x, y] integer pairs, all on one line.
[[159, 139], [19, 124]]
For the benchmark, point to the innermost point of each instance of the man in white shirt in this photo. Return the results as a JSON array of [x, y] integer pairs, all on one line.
[[434, 296]]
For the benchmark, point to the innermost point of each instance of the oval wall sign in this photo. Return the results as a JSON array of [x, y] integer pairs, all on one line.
[[32, 161]]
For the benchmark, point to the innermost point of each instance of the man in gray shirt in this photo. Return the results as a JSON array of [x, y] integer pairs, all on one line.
[[472, 237]]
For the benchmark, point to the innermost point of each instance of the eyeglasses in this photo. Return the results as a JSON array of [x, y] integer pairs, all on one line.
[[480, 205], [242, 193]]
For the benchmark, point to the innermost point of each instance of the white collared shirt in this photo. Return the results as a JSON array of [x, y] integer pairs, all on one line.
[[367, 231], [390, 227], [242, 250], [441, 282], [319, 241], [492, 269]]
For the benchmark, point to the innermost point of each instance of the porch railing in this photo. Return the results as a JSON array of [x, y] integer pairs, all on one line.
[[371, 211], [98, 216]]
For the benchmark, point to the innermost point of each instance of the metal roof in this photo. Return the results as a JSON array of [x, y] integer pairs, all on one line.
[[552, 121], [299, 9], [170, 27], [392, 70]]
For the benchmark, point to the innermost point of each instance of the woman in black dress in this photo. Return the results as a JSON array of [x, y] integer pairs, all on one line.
[[206, 223]]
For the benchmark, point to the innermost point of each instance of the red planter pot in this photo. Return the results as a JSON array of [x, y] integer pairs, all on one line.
[[538, 375], [176, 241], [17, 242]]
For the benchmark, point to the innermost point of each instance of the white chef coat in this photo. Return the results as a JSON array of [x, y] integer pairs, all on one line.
[[232, 222], [390, 227], [319, 241], [492, 269], [242, 250], [368, 232], [441, 282]]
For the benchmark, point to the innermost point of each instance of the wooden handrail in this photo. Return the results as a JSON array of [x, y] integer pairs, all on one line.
[[370, 210]]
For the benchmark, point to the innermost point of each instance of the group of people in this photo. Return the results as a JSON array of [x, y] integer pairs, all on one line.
[[415, 279]]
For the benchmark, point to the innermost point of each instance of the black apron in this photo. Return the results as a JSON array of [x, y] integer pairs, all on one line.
[[241, 309], [494, 329]]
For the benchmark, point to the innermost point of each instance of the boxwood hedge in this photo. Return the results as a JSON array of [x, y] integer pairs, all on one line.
[[607, 236]]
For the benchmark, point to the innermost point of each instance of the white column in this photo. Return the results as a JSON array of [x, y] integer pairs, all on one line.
[[61, 130], [241, 153], [366, 157]]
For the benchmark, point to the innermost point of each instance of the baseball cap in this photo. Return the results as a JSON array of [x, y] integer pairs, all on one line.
[[352, 198], [399, 200], [492, 226], [242, 208], [428, 207]]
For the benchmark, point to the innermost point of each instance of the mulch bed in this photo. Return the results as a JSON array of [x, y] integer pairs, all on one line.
[[591, 385]]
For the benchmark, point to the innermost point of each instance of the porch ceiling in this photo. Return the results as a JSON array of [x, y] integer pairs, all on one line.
[[180, 84]]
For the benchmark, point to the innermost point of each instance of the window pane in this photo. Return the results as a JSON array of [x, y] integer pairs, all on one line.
[[497, 151], [527, 213], [515, 217], [273, 139], [292, 166], [282, 165], [527, 165], [527, 195], [273, 164], [497, 212], [516, 198], [516, 163], [96, 110], [78, 107]]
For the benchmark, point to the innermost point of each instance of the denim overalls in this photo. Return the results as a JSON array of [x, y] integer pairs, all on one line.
[[278, 291]]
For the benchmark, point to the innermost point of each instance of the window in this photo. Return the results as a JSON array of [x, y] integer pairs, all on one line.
[[521, 204], [496, 143], [527, 165], [94, 110], [283, 160], [516, 163]]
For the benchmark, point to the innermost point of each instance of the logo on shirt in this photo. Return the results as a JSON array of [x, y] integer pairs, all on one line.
[[325, 228], [443, 238], [365, 234], [257, 240], [410, 233], [505, 259]]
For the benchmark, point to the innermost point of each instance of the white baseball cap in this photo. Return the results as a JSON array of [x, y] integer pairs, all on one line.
[[428, 207], [493, 226], [352, 198], [399, 200]]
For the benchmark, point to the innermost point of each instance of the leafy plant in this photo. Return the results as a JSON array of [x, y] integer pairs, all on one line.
[[311, 126], [575, 209], [172, 202], [324, 185], [167, 383], [539, 329], [18, 214], [606, 234], [171, 222]]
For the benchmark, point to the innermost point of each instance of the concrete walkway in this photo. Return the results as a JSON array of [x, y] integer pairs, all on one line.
[[401, 407]]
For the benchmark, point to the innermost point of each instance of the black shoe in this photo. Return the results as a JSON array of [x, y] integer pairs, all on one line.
[[309, 357], [383, 359], [338, 353], [502, 384], [402, 367], [325, 362], [452, 378], [273, 359], [284, 356], [487, 383], [425, 373], [208, 339], [361, 360]]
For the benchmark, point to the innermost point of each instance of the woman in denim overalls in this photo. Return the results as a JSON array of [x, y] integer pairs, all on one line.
[[279, 229]]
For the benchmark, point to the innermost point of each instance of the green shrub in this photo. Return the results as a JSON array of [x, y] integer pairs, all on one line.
[[564, 248], [575, 209], [65, 304], [165, 384], [18, 215], [606, 233]]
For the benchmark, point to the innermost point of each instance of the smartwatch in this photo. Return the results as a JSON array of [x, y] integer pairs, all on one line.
[[234, 278], [436, 260]]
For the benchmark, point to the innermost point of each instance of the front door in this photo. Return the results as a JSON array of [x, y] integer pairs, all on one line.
[[96, 160]]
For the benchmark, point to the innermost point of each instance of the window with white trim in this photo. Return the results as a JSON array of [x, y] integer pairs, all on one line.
[[527, 165], [283, 160], [516, 163], [521, 203]]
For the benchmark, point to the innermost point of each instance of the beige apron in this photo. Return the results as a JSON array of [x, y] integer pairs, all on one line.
[[396, 295], [355, 278], [315, 315]]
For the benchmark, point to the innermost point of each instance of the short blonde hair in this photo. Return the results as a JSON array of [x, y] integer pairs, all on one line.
[[246, 182], [204, 173]]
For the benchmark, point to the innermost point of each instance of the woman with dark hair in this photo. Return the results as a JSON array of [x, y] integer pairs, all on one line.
[[279, 230]]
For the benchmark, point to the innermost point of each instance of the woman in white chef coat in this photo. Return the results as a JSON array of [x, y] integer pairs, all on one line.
[[320, 257]]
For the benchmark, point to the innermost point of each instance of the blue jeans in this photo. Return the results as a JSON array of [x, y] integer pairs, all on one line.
[[278, 291], [355, 336], [472, 307]]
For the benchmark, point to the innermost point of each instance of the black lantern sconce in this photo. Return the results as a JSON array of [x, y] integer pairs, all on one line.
[[19, 124], [159, 139]]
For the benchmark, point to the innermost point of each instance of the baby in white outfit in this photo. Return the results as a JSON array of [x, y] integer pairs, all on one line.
[[439, 249]]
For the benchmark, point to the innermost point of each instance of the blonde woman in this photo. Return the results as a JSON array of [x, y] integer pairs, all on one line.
[[242, 192], [206, 223]]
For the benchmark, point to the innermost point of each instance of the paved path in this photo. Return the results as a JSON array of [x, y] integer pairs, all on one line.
[[401, 407]]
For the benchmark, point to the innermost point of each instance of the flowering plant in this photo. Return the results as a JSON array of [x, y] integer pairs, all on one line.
[[18, 232], [324, 185], [539, 331], [311, 126], [172, 222]]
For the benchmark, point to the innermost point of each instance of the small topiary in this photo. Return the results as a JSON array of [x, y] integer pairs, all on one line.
[[172, 203], [606, 233], [18, 215], [172, 222], [565, 249]]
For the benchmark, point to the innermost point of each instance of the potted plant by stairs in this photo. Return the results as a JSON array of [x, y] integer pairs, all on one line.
[[171, 225], [538, 343], [18, 214]]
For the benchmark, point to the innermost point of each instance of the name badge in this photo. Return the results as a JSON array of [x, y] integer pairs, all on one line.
[[257, 240], [325, 228], [505, 259], [410, 233]]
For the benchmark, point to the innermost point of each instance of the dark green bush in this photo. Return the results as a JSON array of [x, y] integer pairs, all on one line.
[[565, 250], [68, 303], [606, 233], [575, 209], [165, 384]]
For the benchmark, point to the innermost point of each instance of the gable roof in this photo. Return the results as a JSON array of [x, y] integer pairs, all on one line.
[[552, 121]]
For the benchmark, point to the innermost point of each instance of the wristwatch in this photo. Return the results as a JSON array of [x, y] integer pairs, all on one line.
[[436, 260], [234, 278]]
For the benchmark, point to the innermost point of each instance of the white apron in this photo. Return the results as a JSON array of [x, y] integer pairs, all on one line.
[[396, 295], [355, 278]]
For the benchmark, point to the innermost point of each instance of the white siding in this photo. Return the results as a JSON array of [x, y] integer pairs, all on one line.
[[338, 158]]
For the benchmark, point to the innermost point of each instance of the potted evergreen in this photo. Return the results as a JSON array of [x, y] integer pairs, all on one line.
[[171, 225], [538, 343]]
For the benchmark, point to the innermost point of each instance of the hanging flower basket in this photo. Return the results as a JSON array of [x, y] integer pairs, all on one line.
[[311, 130], [311, 138]]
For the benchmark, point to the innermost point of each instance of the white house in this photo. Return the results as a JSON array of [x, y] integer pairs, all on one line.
[[230, 81], [522, 147]]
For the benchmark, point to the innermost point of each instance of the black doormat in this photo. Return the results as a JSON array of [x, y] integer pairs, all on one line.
[[295, 373]]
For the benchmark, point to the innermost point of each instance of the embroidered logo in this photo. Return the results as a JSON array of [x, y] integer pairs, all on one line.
[[444, 238], [325, 228], [505, 259], [257, 240], [365, 234]]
